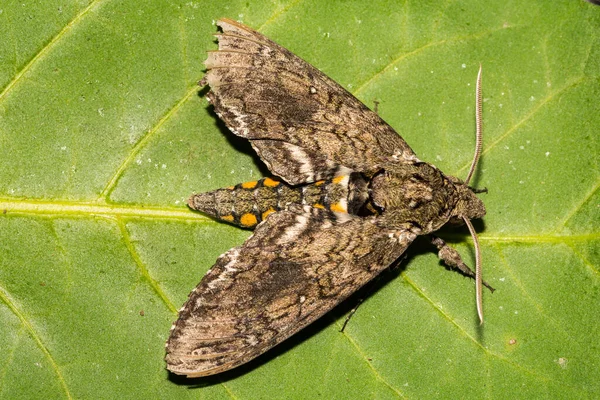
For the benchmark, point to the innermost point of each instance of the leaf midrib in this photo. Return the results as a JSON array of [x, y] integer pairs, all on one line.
[[94, 209]]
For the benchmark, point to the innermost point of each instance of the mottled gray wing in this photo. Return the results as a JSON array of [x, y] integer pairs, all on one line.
[[297, 266], [302, 124]]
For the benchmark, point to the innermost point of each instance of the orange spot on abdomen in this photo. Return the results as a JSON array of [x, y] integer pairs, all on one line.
[[248, 220]]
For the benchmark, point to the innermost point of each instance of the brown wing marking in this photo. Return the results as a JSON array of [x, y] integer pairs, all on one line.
[[267, 94], [297, 266]]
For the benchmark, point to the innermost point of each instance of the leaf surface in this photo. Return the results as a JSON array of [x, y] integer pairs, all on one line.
[[103, 135]]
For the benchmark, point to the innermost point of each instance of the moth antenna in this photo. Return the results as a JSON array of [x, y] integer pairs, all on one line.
[[479, 125], [478, 280]]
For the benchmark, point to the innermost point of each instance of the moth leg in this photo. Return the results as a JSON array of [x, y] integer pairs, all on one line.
[[370, 288], [477, 191], [452, 258], [351, 313]]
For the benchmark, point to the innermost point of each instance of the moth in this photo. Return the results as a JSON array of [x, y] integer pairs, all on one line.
[[348, 197]]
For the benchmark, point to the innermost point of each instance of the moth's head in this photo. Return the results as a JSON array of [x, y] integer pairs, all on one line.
[[468, 206]]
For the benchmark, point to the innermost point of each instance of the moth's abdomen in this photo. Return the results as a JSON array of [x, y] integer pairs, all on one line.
[[247, 204]]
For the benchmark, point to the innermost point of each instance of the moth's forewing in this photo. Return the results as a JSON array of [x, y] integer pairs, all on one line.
[[302, 124], [297, 266]]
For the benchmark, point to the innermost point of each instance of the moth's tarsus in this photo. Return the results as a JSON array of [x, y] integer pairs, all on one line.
[[351, 313], [369, 289], [478, 191], [348, 199]]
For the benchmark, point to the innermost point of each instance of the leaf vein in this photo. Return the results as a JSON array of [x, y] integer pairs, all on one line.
[[366, 360], [585, 261], [579, 205], [416, 51], [112, 182], [470, 337], [552, 96], [44, 50], [277, 13], [142, 267], [5, 298], [519, 284]]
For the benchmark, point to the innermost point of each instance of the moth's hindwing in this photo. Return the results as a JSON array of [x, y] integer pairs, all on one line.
[[298, 265], [302, 124]]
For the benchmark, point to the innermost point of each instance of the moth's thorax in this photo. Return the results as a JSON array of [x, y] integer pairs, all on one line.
[[418, 193]]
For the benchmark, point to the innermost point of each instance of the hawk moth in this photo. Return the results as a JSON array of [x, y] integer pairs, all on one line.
[[349, 197]]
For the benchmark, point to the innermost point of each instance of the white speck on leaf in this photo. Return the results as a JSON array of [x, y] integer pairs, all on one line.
[[464, 65], [532, 98], [164, 166], [547, 153]]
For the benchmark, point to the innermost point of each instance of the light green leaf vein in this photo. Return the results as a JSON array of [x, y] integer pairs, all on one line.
[[46, 49], [36, 337]]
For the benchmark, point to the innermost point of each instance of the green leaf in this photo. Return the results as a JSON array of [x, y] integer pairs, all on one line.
[[103, 136]]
